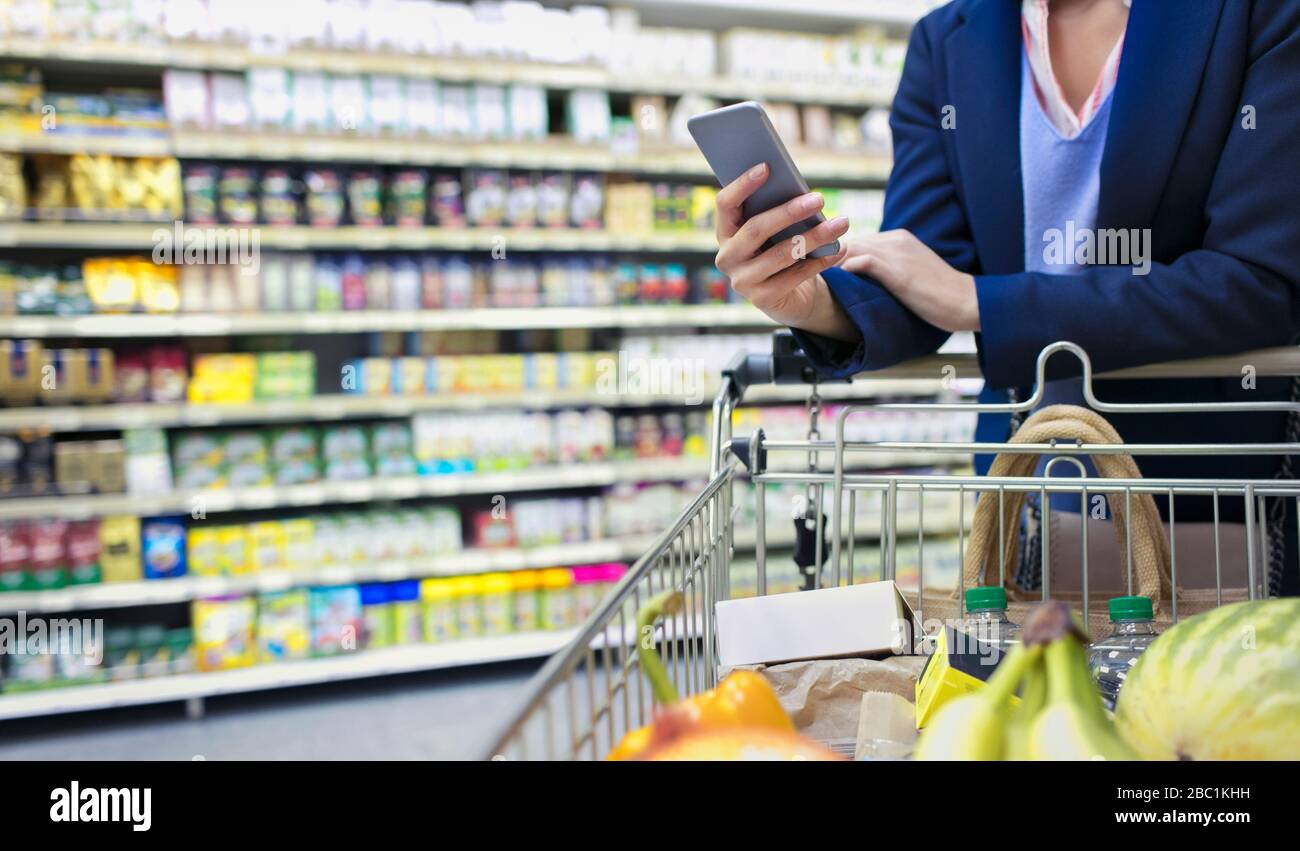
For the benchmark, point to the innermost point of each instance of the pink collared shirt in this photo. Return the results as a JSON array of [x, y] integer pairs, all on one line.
[[1033, 26]]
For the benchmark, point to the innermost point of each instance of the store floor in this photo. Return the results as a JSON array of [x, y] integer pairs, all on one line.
[[436, 715]]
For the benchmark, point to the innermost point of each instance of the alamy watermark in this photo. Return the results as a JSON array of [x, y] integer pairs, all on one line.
[[187, 245], [635, 375], [1081, 246], [35, 636]]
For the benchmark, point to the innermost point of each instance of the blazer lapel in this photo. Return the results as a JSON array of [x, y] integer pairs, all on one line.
[[1166, 47], [983, 58]]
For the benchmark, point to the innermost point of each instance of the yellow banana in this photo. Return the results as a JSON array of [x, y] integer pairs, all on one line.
[[1073, 725], [1033, 697], [973, 727]]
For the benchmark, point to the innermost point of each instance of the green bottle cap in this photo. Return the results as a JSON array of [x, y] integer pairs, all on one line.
[[1131, 609], [986, 597]]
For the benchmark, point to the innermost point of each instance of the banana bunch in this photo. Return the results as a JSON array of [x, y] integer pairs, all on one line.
[[1059, 716]]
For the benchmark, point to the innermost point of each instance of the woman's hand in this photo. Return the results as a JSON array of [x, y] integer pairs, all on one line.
[[782, 281], [919, 278]]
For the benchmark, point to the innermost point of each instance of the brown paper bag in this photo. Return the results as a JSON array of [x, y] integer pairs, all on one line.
[[824, 696]]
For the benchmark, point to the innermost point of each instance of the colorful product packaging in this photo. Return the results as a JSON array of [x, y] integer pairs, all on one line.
[[336, 620], [224, 632], [46, 563], [267, 545], [469, 611], [282, 626], [559, 608], [14, 552], [119, 549], [293, 455], [163, 547], [439, 601], [408, 627], [247, 461], [377, 616], [346, 451], [527, 615], [496, 594]]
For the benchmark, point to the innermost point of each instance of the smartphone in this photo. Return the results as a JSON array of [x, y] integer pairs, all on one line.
[[736, 138]]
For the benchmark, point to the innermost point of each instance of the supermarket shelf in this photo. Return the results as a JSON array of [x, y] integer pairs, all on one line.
[[356, 321], [558, 154], [365, 490], [339, 406], [783, 13], [216, 56], [143, 237], [112, 595], [370, 663]]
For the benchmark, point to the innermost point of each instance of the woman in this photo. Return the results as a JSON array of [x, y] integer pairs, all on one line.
[[1171, 121]]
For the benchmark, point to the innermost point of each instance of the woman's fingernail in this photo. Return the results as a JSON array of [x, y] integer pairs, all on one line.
[[811, 201], [839, 223], [757, 171]]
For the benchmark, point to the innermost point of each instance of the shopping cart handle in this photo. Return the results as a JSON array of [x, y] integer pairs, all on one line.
[[787, 364]]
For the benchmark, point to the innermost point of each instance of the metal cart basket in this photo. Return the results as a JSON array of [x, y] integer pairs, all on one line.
[[588, 695]]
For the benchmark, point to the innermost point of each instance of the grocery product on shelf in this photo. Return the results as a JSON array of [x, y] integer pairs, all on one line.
[[1112, 658], [225, 632], [335, 618], [119, 549], [163, 547], [305, 282], [1217, 685], [106, 188], [282, 626]]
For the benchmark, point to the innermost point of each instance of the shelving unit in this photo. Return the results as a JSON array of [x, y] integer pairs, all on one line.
[[195, 687], [218, 57], [70, 59], [362, 321], [158, 592], [559, 154], [338, 406], [363, 490], [111, 595], [548, 478], [141, 237]]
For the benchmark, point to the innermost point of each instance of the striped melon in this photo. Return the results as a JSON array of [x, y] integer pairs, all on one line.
[[1224, 684]]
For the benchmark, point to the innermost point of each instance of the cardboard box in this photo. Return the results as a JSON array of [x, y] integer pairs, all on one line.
[[871, 619], [959, 665]]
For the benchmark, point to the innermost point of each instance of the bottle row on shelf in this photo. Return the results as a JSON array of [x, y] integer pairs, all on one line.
[[370, 31], [147, 462], [64, 565], [268, 113], [303, 282], [103, 188], [49, 554], [418, 364], [238, 631]]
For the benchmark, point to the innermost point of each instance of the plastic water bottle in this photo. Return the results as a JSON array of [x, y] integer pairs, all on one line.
[[1132, 631], [987, 621]]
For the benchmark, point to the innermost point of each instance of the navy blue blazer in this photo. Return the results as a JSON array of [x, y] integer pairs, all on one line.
[[1222, 203]]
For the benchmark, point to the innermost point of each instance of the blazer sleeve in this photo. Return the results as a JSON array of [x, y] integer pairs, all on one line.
[[1239, 290], [922, 198]]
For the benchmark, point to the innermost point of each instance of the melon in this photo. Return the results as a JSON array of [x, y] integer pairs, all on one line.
[[1224, 684]]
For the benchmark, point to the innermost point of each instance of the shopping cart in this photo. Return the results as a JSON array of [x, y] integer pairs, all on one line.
[[588, 695]]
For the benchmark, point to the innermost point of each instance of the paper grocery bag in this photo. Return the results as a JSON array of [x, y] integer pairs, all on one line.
[[824, 696]]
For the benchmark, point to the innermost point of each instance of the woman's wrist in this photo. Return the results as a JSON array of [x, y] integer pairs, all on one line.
[[827, 318]]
